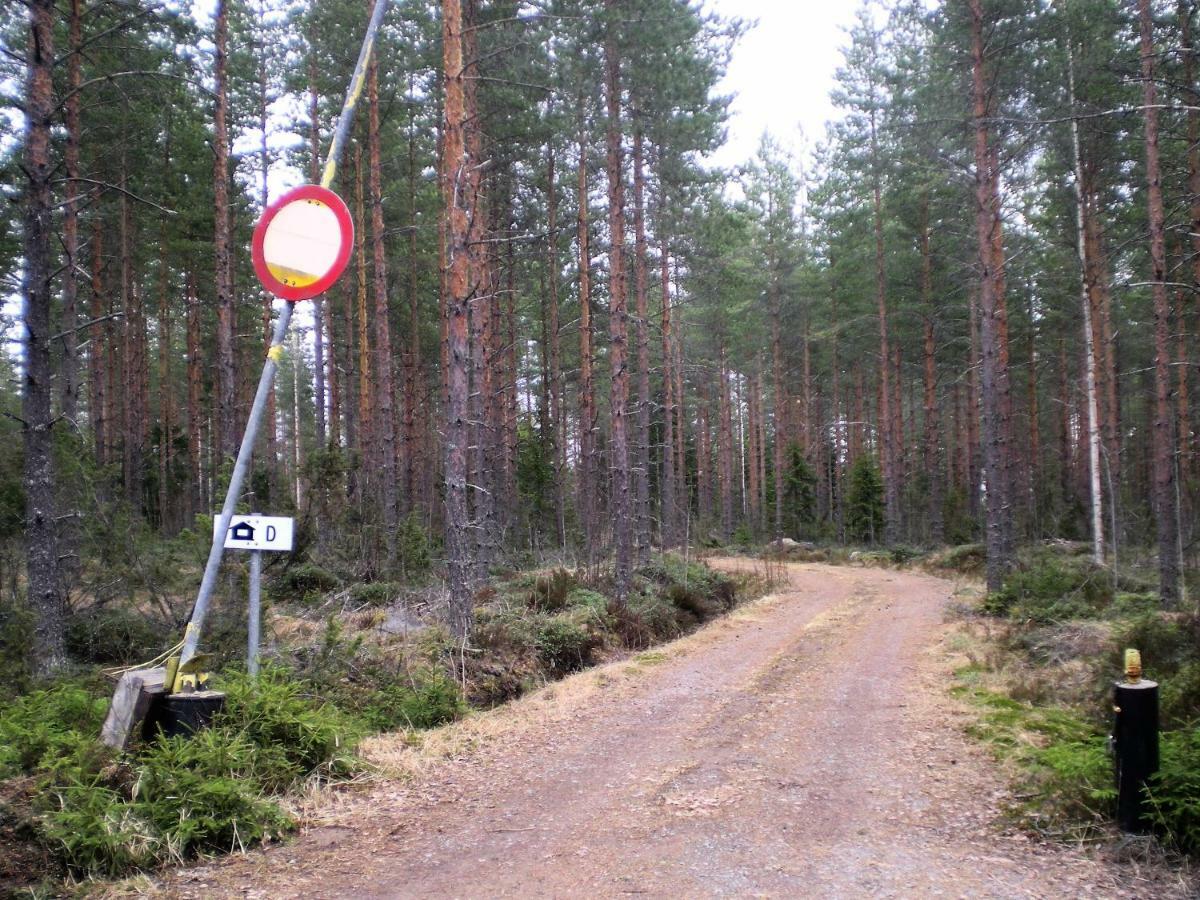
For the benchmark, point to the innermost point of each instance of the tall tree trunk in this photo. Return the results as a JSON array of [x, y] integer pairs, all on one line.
[[369, 456], [166, 393], [934, 467], [775, 299], [642, 462], [45, 593], [558, 419], [456, 199], [618, 331], [195, 407], [487, 460], [297, 440], [1086, 293], [314, 175], [724, 446], [70, 312], [223, 263], [383, 389], [132, 361], [98, 341], [888, 450], [994, 374], [704, 491], [412, 357], [1188, 444], [587, 404], [752, 497], [1165, 497], [669, 516]]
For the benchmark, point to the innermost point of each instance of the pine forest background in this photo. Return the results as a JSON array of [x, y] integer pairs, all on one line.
[[563, 335]]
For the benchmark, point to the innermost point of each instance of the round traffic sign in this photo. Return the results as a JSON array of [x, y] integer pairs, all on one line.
[[303, 242]]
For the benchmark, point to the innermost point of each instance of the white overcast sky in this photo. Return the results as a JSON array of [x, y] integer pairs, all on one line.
[[782, 72]]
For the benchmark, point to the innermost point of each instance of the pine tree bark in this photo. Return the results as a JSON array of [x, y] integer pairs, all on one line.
[[775, 300], [642, 461], [314, 175], [226, 314], [704, 491], [588, 493], [1089, 331], [195, 407], [558, 422], [413, 473], [383, 389], [70, 293], [456, 199], [934, 464], [97, 341], [44, 586], [669, 515], [369, 455], [888, 450], [621, 507], [1187, 440], [166, 393], [487, 459], [1165, 497], [724, 446], [132, 362], [993, 328]]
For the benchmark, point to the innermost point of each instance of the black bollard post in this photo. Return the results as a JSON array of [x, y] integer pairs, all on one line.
[[1135, 743]]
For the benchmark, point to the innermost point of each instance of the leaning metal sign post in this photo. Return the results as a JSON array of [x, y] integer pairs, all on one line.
[[301, 246], [292, 229], [257, 534]]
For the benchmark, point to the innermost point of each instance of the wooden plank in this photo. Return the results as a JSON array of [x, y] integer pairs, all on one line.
[[131, 702]]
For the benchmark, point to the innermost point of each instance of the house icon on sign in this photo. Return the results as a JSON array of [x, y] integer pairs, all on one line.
[[242, 531]]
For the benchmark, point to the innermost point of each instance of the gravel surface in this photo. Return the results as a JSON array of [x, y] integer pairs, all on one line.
[[805, 746]]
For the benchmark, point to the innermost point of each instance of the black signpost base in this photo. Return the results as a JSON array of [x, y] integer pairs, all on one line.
[[1135, 742], [176, 714]]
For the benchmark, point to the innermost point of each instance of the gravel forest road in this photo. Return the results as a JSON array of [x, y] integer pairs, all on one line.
[[804, 746]]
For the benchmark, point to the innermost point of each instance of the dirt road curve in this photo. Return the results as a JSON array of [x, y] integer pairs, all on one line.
[[804, 747]]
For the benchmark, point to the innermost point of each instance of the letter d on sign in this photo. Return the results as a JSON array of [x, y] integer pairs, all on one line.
[[270, 533]]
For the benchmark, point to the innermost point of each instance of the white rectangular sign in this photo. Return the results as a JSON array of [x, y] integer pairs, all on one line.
[[272, 533]]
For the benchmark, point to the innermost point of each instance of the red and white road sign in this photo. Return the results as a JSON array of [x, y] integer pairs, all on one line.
[[303, 242]]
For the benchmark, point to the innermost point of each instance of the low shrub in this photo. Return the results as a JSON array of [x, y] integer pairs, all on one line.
[[550, 591], [304, 583], [297, 735], [1052, 589], [430, 700], [585, 598], [564, 644], [967, 559], [1175, 791], [1129, 605], [902, 555], [112, 634], [414, 550], [1180, 696], [203, 793], [16, 636], [106, 815], [1164, 642], [376, 593], [40, 731]]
